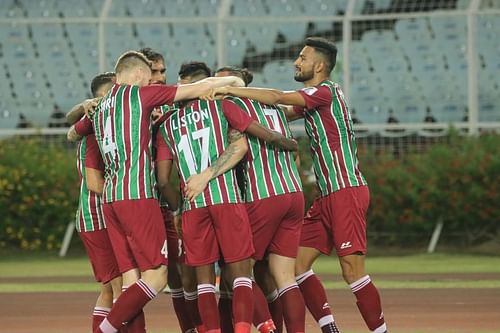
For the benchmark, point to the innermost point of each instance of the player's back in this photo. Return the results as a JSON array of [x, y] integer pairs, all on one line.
[[270, 171], [123, 132], [197, 135]]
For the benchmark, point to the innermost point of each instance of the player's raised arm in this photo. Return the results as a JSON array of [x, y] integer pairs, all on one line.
[[81, 109], [203, 87], [196, 184]]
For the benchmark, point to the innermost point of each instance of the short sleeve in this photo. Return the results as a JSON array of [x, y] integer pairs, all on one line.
[[315, 97], [93, 157], [235, 116], [84, 127], [156, 95], [162, 149]]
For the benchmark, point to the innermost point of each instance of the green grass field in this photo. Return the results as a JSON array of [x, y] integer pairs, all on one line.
[[50, 267]]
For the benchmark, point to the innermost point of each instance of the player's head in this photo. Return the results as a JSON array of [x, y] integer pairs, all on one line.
[[133, 68], [158, 69], [242, 73], [193, 71], [318, 57], [102, 83]]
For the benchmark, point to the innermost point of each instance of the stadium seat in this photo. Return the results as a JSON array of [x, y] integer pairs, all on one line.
[[208, 7], [248, 8], [408, 108], [41, 8], [262, 36], [9, 115], [75, 8], [448, 111], [145, 8]]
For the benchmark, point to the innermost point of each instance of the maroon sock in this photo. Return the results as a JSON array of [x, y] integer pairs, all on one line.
[[314, 295], [243, 302], [137, 324], [127, 306], [368, 302], [191, 302], [207, 305], [294, 309], [226, 312], [276, 310], [98, 316], [180, 309], [261, 313]]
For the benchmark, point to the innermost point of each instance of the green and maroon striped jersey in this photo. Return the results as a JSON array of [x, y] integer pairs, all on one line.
[[197, 135], [270, 171], [122, 125], [89, 215], [332, 142]]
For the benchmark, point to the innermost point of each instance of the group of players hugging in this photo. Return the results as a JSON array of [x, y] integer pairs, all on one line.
[[239, 201]]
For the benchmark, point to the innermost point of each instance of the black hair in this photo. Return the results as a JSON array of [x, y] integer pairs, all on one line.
[[194, 68], [242, 73], [101, 79], [151, 54], [326, 48]]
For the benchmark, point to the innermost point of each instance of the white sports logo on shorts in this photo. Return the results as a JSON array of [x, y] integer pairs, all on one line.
[[345, 245]]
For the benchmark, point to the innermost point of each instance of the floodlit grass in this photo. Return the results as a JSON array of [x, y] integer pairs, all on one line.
[[419, 263], [43, 265]]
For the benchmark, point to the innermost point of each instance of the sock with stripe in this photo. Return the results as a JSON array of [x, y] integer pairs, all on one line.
[[135, 325], [243, 304], [276, 310], [294, 309], [191, 303], [226, 311], [369, 305], [183, 317], [127, 306], [262, 319], [98, 316], [314, 296], [207, 305]]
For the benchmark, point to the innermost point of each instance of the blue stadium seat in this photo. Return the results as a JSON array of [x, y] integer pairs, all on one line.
[[9, 115], [41, 8], [262, 36], [208, 7], [369, 108], [409, 108], [10, 9], [320, 8], [409, 30], [448, 110], [248, 8], [146, 8], [75, 8]]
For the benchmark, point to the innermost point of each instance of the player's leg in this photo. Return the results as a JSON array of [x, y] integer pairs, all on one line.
[[190, 284], [315, 240], [348, 209], [146, 244], [174, 280], [283, 251], [262, 318], [225, 302], [235, 241], [266, 282]]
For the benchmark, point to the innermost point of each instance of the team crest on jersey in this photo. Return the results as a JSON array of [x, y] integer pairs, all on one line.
[[310, 91]]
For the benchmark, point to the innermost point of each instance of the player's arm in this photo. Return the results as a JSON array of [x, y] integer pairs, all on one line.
[[163, 164], [290, 112], [163, 171], [203, 87], [196, 184], [80, 129], [95, 180], [241, 121], [264, 95], [79, 110]]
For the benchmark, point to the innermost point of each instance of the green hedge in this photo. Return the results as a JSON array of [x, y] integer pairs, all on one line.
[[457, 182], [38, 193]]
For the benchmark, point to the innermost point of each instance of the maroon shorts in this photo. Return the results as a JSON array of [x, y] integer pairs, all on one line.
[[209, 231], [338, 220], [101, 255], [276, 223], [137, 233], [174, 243]]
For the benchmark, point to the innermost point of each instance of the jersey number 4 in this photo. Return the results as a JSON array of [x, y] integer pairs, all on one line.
[[108, 142], [185, 147]]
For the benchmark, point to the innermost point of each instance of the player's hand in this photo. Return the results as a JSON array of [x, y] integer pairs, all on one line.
[[216, 93], [178, 225], [195, 185], [89, 106], [156, 115]]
